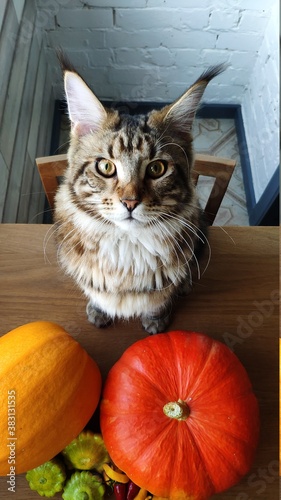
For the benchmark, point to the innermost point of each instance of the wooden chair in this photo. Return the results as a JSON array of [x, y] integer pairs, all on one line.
[[51, 169]]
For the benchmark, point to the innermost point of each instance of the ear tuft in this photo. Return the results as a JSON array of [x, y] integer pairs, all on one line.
[[182, 112], [212, 72], [65, 63], [86, 112]]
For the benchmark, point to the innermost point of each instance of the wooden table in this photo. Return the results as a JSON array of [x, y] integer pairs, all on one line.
[[236, 301]]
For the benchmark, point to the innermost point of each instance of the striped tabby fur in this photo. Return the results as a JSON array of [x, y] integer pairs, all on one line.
[[128, 222]]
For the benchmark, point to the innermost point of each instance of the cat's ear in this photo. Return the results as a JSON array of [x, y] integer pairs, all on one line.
[[182, 112], [86, 112]]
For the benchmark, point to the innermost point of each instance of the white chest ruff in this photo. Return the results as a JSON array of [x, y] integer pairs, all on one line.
[[139, 276], [130, 274]]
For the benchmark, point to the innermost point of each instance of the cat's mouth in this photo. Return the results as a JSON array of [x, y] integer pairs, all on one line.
[[130, 219], [130, 216], [129, 222]]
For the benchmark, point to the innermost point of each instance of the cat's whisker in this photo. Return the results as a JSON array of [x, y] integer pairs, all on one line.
[[185, 223], [30, 193], [191, 248], [49, 234], [158, 141], [177, 145], [61, 244], [208, 246], [157, 224], [62, 146], [174, 239], [196, 232], [60, 224], [230, 237]]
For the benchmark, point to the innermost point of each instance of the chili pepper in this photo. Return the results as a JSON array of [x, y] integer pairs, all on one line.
[[133, 490], [120, 491], [142, 494], [119, 477]]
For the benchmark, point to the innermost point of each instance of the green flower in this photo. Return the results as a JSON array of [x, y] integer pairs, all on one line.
[[47, 479], [86, 452], [83, 486]]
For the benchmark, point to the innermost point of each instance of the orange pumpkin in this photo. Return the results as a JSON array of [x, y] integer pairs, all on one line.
[[50, 388], [179, 416]]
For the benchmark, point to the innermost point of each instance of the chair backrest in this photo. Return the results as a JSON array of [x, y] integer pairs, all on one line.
[[51, 169], [221, 169]]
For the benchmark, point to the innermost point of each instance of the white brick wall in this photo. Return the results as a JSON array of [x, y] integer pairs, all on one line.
[[185, 37], [78, 18], [260, 107]]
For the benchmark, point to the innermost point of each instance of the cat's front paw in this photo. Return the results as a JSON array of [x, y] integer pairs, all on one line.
[[156, 324], [97, 317]]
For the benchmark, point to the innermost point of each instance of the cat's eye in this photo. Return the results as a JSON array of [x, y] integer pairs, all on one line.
[[156, 169], [105, 167]]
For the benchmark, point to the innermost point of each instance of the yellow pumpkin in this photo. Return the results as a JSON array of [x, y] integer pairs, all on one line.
[[49, 389]]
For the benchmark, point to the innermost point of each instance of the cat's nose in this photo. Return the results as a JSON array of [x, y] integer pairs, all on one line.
[[130, 204]]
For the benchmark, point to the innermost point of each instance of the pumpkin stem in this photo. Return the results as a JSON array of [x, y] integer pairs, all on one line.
[[177, 409]]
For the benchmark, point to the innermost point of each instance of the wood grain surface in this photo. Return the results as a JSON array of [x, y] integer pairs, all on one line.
[[235, 301]]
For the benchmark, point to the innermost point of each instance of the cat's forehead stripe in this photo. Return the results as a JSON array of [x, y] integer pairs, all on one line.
[[110, 151], [132, 134], [121, 144]]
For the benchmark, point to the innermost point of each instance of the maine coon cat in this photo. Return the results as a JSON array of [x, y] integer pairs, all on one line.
[[128, 221]]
